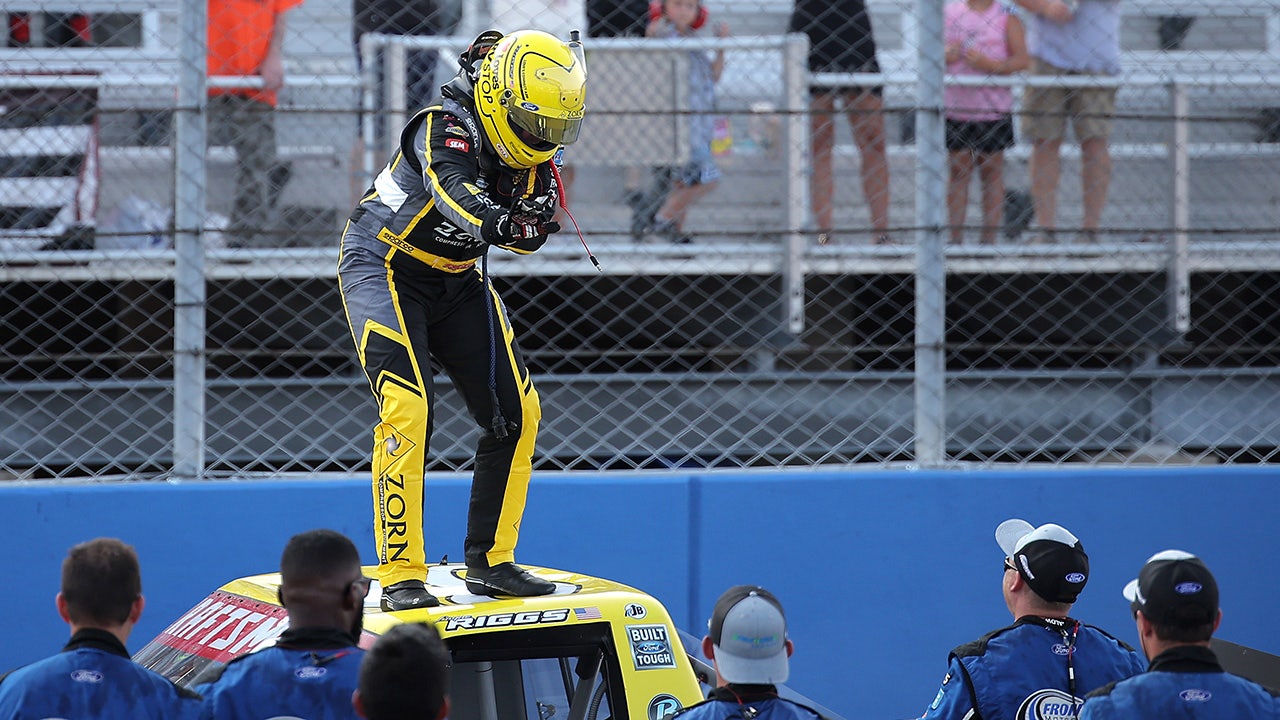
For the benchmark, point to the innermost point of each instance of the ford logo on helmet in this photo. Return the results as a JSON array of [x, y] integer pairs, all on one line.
[[1075, 578], [1188, 588], [529, 106]]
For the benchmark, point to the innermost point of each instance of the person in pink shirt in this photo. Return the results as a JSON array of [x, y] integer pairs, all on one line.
[[982, 38]]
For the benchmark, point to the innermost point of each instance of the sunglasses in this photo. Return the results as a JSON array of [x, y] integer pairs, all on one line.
[[1009, 565], [362, 582]]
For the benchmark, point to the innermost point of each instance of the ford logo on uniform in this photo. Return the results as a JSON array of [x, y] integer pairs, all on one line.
[[1075, 578], [1188, 588], [1195, 695], [87, 676]]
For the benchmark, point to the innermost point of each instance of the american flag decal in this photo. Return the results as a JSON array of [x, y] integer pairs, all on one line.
[[587, 613]]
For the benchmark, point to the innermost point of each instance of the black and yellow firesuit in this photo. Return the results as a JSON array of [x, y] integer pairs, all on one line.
[[413, 291]]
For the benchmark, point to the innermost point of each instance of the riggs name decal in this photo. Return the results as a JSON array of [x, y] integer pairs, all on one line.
[[530, 617]]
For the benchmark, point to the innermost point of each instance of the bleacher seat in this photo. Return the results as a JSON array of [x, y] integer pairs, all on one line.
[[48, 166]]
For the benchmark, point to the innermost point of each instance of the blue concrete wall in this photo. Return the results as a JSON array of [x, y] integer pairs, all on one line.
[[882, 572]]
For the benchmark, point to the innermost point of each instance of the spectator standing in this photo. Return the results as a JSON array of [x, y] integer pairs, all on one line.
[[747, 643], [246, 38], [93, 677], [405, 676], [1046, 656], [982, 38], [697, 179], [617, 18], [1175, 606], [479, 173], [312, 669], [841, 41], [1071, 38], [408, 18]]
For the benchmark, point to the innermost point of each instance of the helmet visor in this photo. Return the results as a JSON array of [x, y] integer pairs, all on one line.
[[556, 131]]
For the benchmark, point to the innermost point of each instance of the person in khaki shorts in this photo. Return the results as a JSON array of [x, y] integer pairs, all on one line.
[[1071, 38]]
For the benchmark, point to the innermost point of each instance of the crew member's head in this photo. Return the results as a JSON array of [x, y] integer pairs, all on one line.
[[1045, 568], [101, 587], [529, 95], [1174, 601], [404, 676], [747, 637], [322, 583]]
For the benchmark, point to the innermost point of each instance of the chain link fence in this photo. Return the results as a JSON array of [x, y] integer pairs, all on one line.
[[168, 304]]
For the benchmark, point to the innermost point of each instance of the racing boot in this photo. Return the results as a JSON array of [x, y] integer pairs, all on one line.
[[407, 595], [507, 579]]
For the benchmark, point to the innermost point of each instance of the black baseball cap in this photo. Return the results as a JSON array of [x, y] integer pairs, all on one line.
[[1174, 588], [1049, 558]]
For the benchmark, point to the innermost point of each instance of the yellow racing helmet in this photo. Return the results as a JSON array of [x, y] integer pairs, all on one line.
[[529, 96]]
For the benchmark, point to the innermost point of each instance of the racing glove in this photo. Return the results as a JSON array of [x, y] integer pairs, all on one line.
[[518, 231]]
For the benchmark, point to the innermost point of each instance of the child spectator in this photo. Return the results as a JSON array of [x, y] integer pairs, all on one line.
[[682, 18], [982, 38]]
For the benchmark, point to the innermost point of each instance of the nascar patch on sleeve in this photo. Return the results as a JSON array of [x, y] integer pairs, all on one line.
[[457, 144]]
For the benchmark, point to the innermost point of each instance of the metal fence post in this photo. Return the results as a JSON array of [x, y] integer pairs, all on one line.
[[189, 219], [369, 49], [930, 283], [795, 84], [394, 57], [1178, 280]]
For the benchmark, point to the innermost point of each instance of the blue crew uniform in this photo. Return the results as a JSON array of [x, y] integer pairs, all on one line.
[[1024, 671], [747, 702], [309, 673], [1183, 682], [93, 677]]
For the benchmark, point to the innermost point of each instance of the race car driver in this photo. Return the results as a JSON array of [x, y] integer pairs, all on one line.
[[474, 170]]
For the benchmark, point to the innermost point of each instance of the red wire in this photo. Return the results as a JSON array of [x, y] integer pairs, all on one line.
[[564, 205]]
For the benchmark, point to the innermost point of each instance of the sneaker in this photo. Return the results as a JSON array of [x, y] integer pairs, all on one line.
[[507, 579], [1042, 236], [667, 230], [407, 595]]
